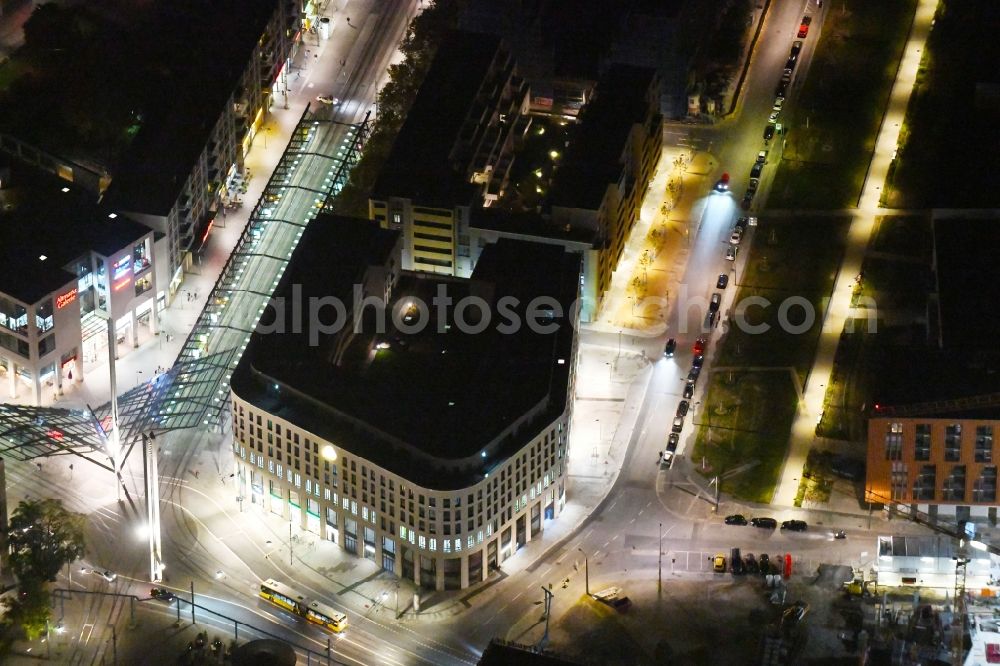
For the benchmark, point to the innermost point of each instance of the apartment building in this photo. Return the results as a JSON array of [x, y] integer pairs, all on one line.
[[434, 445], [453, 152], [608, 167], [231, 65], [942, 465], [69, 268]]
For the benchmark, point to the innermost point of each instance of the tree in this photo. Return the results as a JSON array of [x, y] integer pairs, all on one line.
[[30, 608], [43, 537]]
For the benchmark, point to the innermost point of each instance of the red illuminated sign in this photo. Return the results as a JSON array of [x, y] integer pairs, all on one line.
[[65, 299], [121, 284]]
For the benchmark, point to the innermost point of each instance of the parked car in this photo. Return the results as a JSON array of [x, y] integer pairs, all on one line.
[[794, 525], [768, 132], [698, 361], [736, 236], [614, 597], [736, 562], [688, 389], [109, 576], [764, 563], [750, 564], [796, 47], [694, 372], [670, 348], [790, 63], [682, 408], [804, 27], [719, 563], [752, 185], [757, 168], [762, 157], [677, 425], [672, 440], [161, 594], [778, 103], [741, 223], [736, 519], [699, 346], [773, 118], [747, 200], [722, 281], [766, 523], [713, 305], [731, 253]]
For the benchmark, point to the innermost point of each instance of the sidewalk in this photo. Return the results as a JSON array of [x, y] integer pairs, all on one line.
[[839, 310]]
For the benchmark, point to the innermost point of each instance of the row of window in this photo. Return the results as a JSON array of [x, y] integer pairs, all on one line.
[[952, 442], [953, 486], [505, 494]]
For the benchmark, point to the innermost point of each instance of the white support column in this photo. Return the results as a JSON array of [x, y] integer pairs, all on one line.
[[135, 328]]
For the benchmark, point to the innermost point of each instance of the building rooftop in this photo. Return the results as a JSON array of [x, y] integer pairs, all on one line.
[[968, 282], [201, 50], [42, 215], [421, 403], [527, 224], [593, 159], [420, 165]]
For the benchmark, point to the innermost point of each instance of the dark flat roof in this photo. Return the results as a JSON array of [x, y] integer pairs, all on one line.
[[419, 166], [62, 226], [201, 49], [526, 223], [968, 281], [592, 161], [445, 395], [502, 653]]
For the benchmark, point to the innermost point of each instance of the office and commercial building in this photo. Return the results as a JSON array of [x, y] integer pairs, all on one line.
[[69, 267], [429, 437], [187, 158], [453, 152]]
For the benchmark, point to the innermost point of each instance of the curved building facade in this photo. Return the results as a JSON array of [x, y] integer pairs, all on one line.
[[434, 453]]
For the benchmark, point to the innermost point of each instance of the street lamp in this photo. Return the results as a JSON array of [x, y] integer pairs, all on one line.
[[586, 571], [659, 562]]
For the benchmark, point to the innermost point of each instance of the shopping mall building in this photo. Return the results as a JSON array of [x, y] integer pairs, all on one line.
[[433, 445], [70, 268]]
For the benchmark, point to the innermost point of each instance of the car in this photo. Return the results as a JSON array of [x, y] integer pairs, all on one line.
[[689, 389], [773, 118], [722, 281], [693, 374], [677, 425], [613, 597], [804, 27], [786, 76], [750, 564], [670, 348], [794, 525], [735, 562], [709, 322], [753, 185], [698, 361], [747, 200], [731, 252], [736, 519], [781, 88], [741, 222], [762, 157], [719, 563], [667, 458], [328, 99], [161, 594], [682, 408], [764, 562], [713, 304], [790, 63], [757, 168], [723, 183], [699, 346], [796, 47], [765, 523], [736, 237], [109, 576], [768, 132], [778, 103], [673, 439]]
